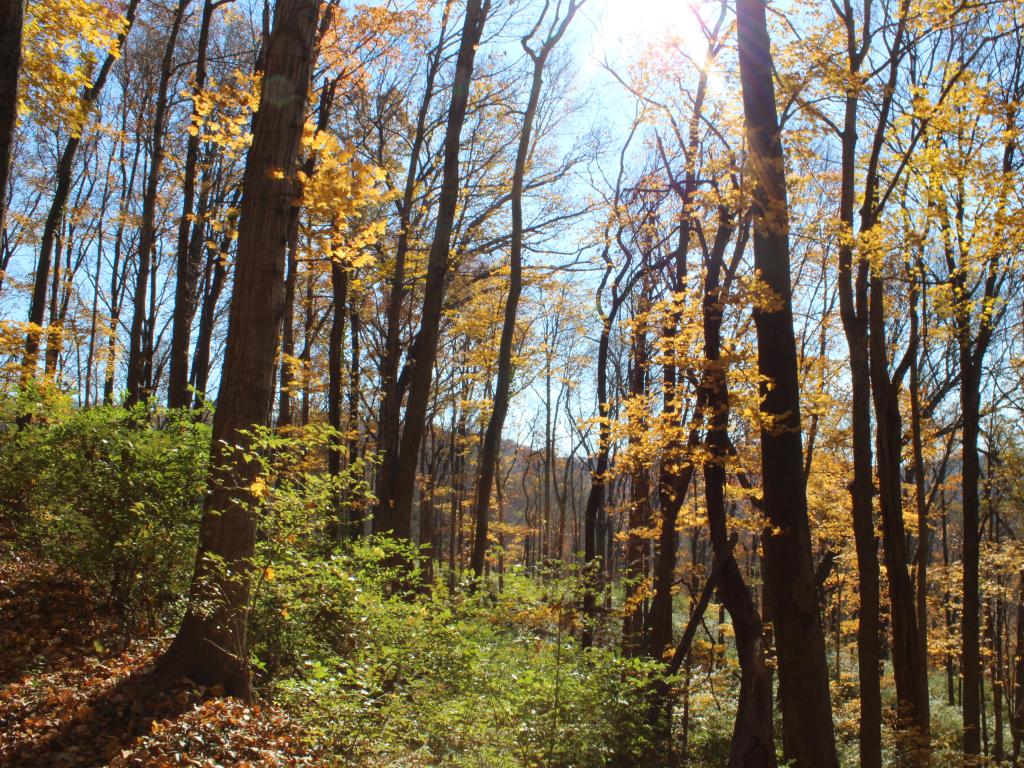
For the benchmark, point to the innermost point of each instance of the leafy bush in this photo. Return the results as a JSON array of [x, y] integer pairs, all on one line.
[[433, 679], [107, 495]]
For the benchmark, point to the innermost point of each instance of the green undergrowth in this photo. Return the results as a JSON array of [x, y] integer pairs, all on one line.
[[374, 663]]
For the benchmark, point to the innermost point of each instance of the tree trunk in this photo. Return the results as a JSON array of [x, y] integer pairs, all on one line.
[[339, 285], [790, 587], [284, 403], [389, 416], [970, 659], [12, 21], [188, 265], [211, 646], [216, 270], [354, 388], [853, 312], [908, 665], [1017, 718], [639, 515], [424, 349], [491, 445], [753, 744], [65, 166], [139, 352]]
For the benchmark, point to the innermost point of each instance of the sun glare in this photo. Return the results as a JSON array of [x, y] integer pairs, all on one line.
[[624, 27]]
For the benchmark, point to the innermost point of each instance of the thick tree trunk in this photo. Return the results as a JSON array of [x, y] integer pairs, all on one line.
[[790, 587], [12, 21], [211, 646], [424, 349]]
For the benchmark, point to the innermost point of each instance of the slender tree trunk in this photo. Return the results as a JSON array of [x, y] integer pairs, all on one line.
[[790, 586], [970, 660], [53, 334], [424, 349], [284, 402], [1017, 719], [389, 416], [65, 166], [491, 445], [596, 496], [923, 540], [326, 103], [853, 312], [188, 263], [753, 744], [139, 355], [639, 516], [211, 646], [339, 285], [909, 667], [217, 274], [356, 514]]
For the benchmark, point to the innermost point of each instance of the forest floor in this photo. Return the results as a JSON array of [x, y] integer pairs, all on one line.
[[73, 692]]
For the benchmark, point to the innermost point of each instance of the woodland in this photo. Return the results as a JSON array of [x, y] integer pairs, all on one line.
[[511, 383]]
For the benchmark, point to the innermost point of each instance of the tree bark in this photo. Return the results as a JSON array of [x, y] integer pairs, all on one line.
[[389, 415], [639, 517], [188, 261], [340, 286], [853, 313], [753, 744], [790, 587], [139, 352], [970, 660], [12, 22], [211, 646], [424, 349]]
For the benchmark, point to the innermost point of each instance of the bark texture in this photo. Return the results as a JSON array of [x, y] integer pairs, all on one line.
[[211, 646]]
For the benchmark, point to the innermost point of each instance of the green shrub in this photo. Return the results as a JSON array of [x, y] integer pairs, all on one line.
[[427, 678], [110, 497]]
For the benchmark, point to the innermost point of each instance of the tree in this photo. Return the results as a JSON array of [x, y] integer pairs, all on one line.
[[492, 437], [140, 353], [65, 167], [790, 588], [211, 645], [13, 15], [188, 255], [395, 492]]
